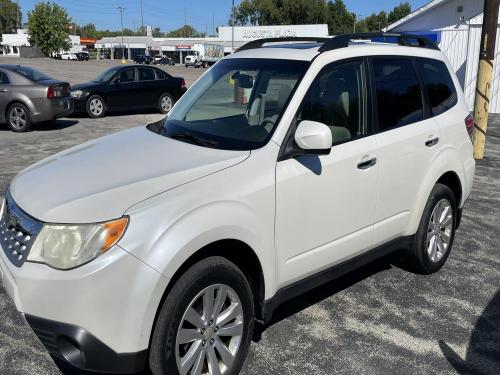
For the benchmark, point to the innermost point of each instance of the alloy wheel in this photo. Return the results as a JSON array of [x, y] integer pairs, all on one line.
[[96, 107], [17, 118], [210, 332], [439, 230], [166, 103]]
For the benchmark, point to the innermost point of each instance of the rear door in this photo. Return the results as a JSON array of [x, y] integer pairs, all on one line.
[[148, 87], [408, 140]]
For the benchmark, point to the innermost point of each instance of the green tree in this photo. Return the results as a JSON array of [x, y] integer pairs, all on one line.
[[8, 17], [185, 31], [399, 12], [48, 25], [340, 19]]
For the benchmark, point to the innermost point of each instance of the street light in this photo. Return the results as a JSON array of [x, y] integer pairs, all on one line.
[[121, 9]]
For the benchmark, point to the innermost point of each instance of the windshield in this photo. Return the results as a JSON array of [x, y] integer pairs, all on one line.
[[236, 105], [32, 74], [107, 74]]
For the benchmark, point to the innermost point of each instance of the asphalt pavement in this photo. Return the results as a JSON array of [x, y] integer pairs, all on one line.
[[381, 319]]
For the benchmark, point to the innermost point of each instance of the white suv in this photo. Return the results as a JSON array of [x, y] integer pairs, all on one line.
[[286, 165]]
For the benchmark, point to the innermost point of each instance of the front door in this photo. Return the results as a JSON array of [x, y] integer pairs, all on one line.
[[325, 205], [122, 92]]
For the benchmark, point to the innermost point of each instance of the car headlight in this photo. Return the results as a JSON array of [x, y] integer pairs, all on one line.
[[77, 94], [69, 246]]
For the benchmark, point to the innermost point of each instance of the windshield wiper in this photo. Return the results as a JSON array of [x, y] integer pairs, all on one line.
[[190, 138]]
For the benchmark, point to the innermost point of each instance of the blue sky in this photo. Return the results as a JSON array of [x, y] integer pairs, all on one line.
[[169, 14]]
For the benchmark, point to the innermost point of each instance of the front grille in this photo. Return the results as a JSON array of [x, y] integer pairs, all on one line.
[[18, 232]]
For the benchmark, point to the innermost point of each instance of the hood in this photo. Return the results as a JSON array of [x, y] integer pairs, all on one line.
[[99, 180], [86, 86]]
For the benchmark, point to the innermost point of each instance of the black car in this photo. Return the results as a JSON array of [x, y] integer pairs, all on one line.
[[143, 59], [83, 56], [163, 60], [128, 88]]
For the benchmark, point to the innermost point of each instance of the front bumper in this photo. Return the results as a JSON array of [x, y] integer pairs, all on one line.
[[51, 109], [98, 317]]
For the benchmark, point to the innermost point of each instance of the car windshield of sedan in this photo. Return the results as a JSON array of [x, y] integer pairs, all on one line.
[[31, 73], [235, 105], [107, 75]]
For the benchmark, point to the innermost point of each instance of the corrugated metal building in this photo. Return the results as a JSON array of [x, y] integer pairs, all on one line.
[[456, 25]]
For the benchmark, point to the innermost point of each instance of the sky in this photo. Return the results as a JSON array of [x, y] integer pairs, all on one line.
[[170, 14]]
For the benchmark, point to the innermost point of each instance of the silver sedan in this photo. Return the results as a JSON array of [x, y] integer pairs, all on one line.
[[28, 96]]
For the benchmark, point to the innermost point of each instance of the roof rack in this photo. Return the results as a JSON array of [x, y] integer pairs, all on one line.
[[343, 40]]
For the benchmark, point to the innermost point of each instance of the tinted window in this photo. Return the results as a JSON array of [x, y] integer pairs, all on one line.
[[336, 98], [146, 74], [32, 74], [4, 80], [398, 92], [160, 75], [440, 87], [127, 75]]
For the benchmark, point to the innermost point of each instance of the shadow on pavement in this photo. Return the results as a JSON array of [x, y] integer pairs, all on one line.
[[484, 345], [46, 126]]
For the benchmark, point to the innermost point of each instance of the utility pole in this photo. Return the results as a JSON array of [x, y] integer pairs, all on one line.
[[213, 24], [355, 20], [142, 18], [232, 27], [17, 16], [485, 75], [121, 9]]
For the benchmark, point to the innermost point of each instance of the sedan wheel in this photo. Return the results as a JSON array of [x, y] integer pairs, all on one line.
[[96, 107], [166, 103], [211, 332], [19, 118]]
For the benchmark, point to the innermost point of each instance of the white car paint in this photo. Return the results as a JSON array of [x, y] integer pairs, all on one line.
[[294, 214], [68, 56]]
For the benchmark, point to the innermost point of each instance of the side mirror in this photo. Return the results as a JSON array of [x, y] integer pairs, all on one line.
[[314, 137]]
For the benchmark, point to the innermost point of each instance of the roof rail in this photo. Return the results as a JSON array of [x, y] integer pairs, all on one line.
[[343, 40], [258, 43]]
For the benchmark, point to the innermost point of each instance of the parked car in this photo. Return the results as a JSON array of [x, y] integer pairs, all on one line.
[[143, 59], [104, 56], [69, 56], [128, 88], [28, 96], [279, 170], [163, 60], [83, 56]]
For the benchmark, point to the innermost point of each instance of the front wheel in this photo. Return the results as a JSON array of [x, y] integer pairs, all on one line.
[[436, 232], [96, 107], [206, 322], [165, 103]]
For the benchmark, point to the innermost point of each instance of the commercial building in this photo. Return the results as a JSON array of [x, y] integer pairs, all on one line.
[[456, 26], [179, 48], [12, 44]]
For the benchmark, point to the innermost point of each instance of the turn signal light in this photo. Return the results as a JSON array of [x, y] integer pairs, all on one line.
[[469, 124]]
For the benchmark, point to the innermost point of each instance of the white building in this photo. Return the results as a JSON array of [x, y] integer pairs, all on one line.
[[12, 42], [178, 48], [456, 26]]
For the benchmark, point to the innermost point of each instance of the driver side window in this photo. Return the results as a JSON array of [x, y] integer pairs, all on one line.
[[337, 99], [125, 76]]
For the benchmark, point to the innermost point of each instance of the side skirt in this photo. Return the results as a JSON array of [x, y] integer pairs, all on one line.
[[323, 277]]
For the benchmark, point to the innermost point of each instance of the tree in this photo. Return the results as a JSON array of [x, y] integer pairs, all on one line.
[[340, 20], [399, 12], [48, 25], [8, 17], [185, 31]]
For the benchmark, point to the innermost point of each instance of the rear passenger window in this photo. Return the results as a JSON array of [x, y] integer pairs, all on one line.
[[4, 80], [440, 87], [398, 93], [146, 74], [160, 75]]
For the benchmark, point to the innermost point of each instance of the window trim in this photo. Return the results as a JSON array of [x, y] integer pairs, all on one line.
[[289, 150], [376, 123], [147, 80]]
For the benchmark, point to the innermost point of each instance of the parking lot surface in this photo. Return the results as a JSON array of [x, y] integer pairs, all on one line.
[[381, 319]]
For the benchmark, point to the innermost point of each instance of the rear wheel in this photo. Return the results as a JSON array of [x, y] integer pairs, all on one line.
[[19, 118], [436, 231], [205, 323], [96, 107], [165, 103]]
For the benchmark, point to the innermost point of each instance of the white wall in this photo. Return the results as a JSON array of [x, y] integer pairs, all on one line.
[[247, 33]]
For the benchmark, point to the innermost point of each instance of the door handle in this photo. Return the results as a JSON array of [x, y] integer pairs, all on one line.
[[3, 90], [367, 163], [432, 142]]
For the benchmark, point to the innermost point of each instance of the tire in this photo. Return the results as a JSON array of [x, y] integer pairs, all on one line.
[[432, 244], [165, 103], [93, 106], [19, 118], [211, 275]]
